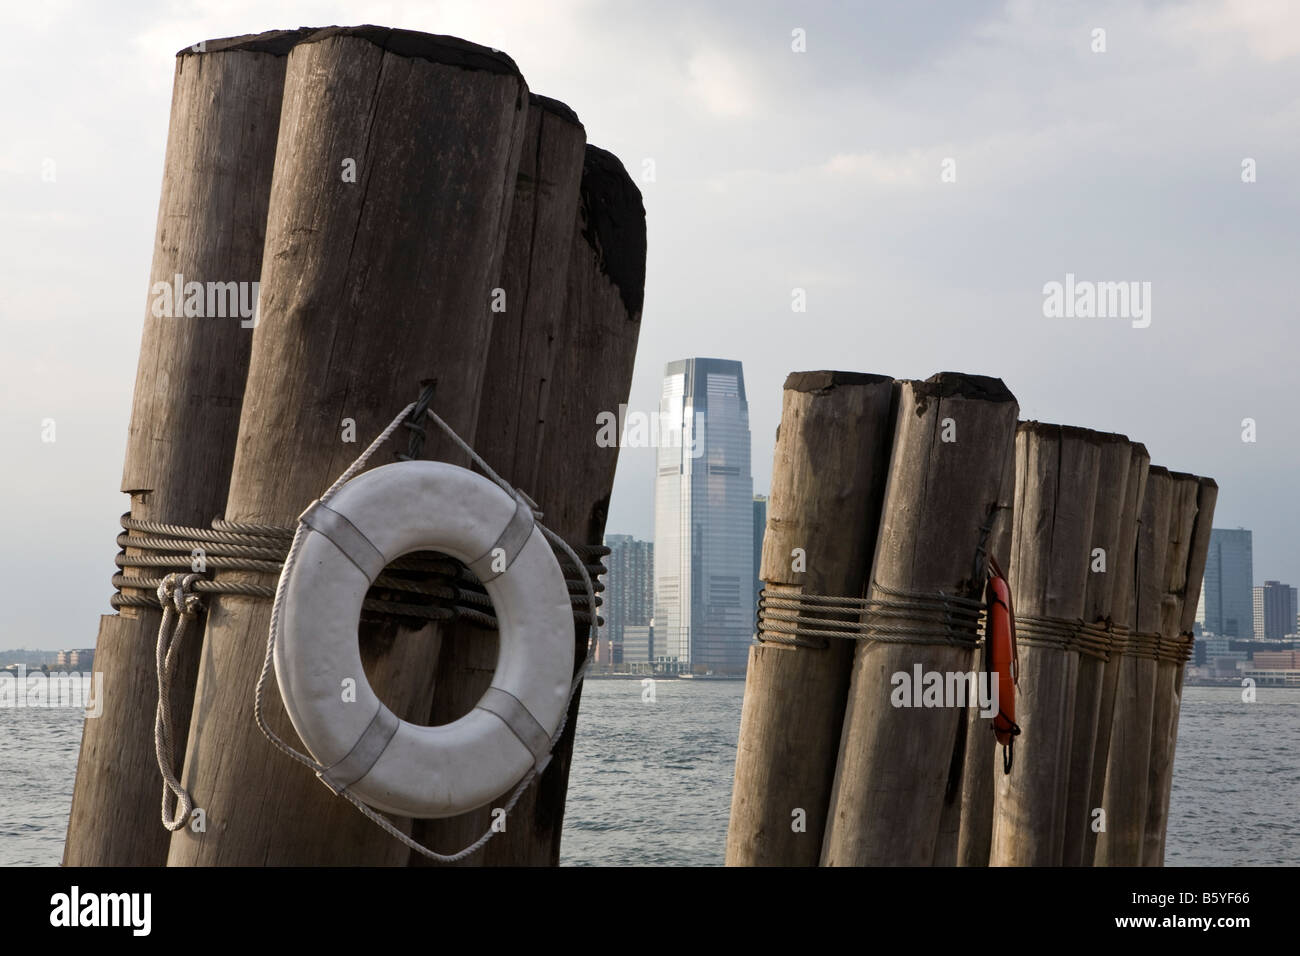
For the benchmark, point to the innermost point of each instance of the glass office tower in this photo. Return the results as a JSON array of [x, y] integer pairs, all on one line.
[[704, 519], [1227, 604]]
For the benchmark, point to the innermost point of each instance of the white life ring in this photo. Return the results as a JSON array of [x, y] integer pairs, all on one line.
[[390, 764]]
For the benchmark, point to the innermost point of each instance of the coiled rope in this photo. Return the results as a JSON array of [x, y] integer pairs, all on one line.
[[1143, 644], [246, 544], [1095, 639], [449, 589], [786, 616]]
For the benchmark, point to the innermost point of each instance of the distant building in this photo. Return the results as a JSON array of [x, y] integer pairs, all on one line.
[[760, 527], [638, 644], [1276, 660], [629, 588], [1212, 647], [82, 658], [603, 658], [704, 494], [1227, 606], [1275, 610]]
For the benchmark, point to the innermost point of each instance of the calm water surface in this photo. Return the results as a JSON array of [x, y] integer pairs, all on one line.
[[651, 781]]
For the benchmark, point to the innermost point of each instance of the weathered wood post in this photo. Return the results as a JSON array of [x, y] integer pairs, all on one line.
[[1164, 720], [1056, 490], [823, 514], [372, 284], [1125, 798], [527, 334], [1094, 654], [1206, 497], [952, 435], [966, 827], [592, 374], [185, 413], [1123, 611]]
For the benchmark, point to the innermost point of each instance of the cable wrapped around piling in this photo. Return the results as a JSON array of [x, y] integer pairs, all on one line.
[[1096, 639], [442, 587], [786, 616]]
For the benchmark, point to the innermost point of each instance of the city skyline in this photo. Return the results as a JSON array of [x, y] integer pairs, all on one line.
[[763, 171]]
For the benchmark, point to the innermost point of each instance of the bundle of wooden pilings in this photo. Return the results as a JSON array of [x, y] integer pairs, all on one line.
[[890, 502], [412, 216]]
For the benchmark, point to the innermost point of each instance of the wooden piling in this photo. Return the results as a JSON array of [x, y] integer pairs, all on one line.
[[968, 802], [1099, 609], [952, 435], [823, 515], [221, 142], [592, 373], [369, 288], [1056, 489], [526, 338], [1123, 611], [1164, 720], [1125, 797], [1206, 497]]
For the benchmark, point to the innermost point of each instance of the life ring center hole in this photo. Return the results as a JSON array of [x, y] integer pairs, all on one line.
[[406, 624]]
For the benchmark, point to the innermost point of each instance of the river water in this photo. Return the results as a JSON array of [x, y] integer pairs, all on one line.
[[651, 779]]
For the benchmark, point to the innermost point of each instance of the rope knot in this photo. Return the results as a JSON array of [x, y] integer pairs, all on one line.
[[174, 591]]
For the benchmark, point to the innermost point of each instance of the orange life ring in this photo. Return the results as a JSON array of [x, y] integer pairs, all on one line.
[[1001, 660]]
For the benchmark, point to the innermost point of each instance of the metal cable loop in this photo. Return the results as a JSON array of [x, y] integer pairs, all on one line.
[[415, 424]]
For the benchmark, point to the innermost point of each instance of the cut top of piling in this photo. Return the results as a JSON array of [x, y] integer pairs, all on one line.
[[614, 225], [274, 42], [1074, 432], [435, 48], [825, 380], [963, 385], [536, 101]]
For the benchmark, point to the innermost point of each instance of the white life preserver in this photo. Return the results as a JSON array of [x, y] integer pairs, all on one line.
[[390, 764]]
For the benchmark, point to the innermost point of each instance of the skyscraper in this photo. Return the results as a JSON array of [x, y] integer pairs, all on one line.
[[1227, 604], [704, 518], [1275, 610], [629, 587]]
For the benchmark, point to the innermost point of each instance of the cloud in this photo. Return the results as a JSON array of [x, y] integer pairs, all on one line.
[[719, 82], [1268, 29]]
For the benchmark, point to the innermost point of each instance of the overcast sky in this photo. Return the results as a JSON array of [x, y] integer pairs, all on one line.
[[775, 170]]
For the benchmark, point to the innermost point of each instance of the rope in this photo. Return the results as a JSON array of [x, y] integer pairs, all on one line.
[[1143, 644], [792, 618], [180, 608], [415, 424], [298, 537], [235, 546], [1119, 639], [1091, 639]]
